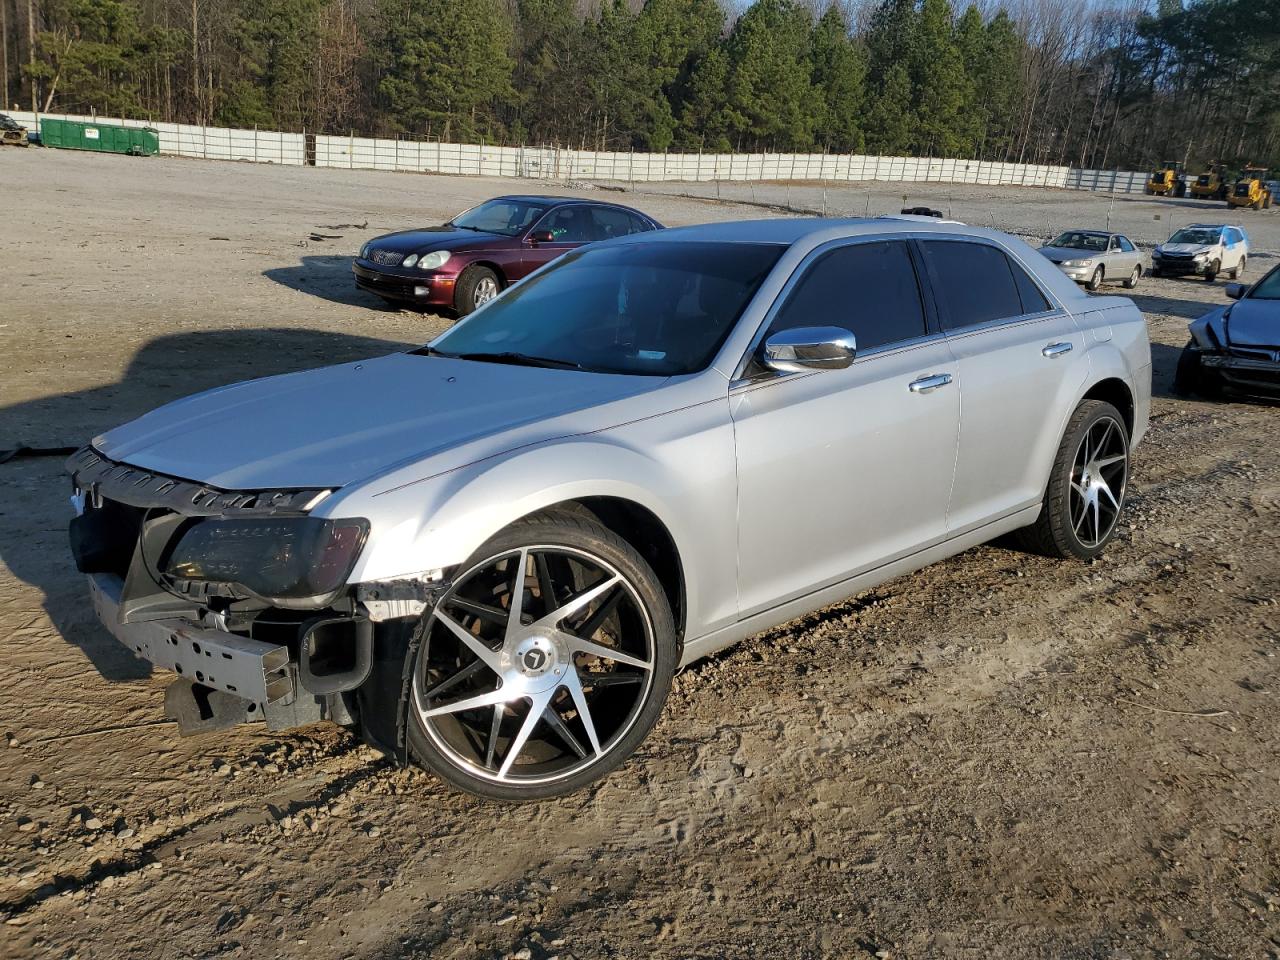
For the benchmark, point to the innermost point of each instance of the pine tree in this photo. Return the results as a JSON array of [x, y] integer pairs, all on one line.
[[446, 66], [890, 120], [839, 74], [941, 86]]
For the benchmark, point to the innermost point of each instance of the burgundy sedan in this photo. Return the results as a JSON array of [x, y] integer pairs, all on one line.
[[470, 259]]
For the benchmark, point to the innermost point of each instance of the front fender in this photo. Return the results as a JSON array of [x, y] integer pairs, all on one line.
[[681, 469]]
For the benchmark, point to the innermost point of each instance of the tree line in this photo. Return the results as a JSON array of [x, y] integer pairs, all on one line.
[[1110, 83]]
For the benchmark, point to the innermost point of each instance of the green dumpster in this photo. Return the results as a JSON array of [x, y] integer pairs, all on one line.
[[102, 137]]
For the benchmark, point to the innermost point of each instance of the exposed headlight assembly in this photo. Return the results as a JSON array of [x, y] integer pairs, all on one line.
[[410, 260], [291, 558], [434, 261]]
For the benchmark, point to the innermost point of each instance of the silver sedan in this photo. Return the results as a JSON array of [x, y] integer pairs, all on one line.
[[489, 555], [1094, 257]]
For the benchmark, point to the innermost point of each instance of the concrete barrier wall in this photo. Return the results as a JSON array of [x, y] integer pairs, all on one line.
[[547, 163]]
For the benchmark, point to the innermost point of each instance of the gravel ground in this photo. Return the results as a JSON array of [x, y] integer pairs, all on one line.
[[997, 756]]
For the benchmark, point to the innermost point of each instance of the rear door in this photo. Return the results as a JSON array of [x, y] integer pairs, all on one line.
[[1021, 361], [840, 471]]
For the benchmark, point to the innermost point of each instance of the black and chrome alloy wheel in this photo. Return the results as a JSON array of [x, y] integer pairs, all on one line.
[[1098, 477], [543, 666]]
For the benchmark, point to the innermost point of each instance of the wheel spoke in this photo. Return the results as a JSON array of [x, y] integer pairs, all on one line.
[[494, 726], [609, 679], [578, 645], [563, 731], [536, 707], [574, 604], [1108, 461], [1104, 488], [473, 643], [517, 595], [594, 622], [1084, 512], [584, 712], [466, 673], [484, 611], [470, 703], [1097, 519], [545, 586]]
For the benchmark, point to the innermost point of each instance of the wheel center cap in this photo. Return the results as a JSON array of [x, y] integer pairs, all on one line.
[[535, 656]]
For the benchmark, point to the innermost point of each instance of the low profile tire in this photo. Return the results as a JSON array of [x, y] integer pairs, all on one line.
[[1133, 278], [475, 287], [1212, 273], [1086, 488], [1095, 281], [546, 663]]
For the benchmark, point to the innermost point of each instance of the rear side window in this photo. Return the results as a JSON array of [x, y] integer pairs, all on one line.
[[975, 284], [1125, 245], [1033, 300], [869, 288], [611, 222]]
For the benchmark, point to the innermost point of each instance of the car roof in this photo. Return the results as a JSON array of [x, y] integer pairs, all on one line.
[[788, 231]]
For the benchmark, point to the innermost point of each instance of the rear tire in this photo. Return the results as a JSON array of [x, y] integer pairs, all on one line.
[[585, 678], [475, 287], [1078, 517], [1238, 270]]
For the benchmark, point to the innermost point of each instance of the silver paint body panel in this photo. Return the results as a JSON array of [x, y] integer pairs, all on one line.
[[781, 494]]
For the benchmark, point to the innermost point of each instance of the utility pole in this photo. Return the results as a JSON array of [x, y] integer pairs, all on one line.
[[4, 53]]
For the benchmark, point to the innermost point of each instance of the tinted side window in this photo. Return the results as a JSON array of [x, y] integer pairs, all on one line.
[[1033, 300], [973, 282], [869, 288], [611, 222], [571, 224]]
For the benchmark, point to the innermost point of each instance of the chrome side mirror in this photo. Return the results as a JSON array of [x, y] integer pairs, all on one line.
[[1236, 290], [809, 348]]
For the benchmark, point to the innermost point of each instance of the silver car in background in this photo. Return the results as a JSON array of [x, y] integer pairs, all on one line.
[[489, 555], [1094, 257]]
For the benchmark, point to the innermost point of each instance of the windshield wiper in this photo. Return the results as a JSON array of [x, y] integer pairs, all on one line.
[[463, 226], [518, 359]]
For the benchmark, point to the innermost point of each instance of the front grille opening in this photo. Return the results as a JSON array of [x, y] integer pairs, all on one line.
[[103, 538]]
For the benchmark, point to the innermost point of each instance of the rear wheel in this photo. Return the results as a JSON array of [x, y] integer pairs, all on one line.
[[1086, 488], [1094, 282], [1238, 271], [1133, 278], [546, 663], [475, 287]]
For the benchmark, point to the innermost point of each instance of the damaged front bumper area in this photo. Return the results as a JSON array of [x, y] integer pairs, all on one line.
[[1253, 371], [329, 652]]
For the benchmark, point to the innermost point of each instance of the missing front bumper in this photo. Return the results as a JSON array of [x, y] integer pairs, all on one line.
[[250, 669]]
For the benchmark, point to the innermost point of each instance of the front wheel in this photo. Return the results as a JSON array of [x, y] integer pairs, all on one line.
[[1095, 281], [1212, 273], [1086, 489], [1133, 278], [475, 287], [545, 664]]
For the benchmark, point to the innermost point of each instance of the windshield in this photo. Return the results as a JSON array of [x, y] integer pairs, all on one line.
[[507, 217], [1077, 240], [653, 309], [1268, 288], [1197, 235]]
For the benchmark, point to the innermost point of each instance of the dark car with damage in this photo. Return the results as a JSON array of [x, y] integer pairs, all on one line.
[[1236, 348], [468, 261]]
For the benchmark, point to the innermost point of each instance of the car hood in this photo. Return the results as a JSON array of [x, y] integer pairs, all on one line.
[[428, 239], [1192, 248], [336, 425], [1058, 254], [1254, 323]]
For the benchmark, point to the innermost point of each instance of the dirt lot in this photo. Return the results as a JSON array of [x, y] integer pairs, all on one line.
[[999, 756]]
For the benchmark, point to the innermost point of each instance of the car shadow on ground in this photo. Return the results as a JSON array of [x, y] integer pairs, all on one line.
[[1172, 306], [34, 508], [329, 278]]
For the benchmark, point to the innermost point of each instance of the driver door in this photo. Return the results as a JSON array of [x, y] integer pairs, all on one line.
[[842, 471], [570, 227]]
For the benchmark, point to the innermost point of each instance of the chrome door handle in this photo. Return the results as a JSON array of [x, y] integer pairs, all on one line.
[[929, 384], [1054, 350]]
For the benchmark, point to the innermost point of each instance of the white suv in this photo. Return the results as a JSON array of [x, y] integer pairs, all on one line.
[[1203, 249]]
